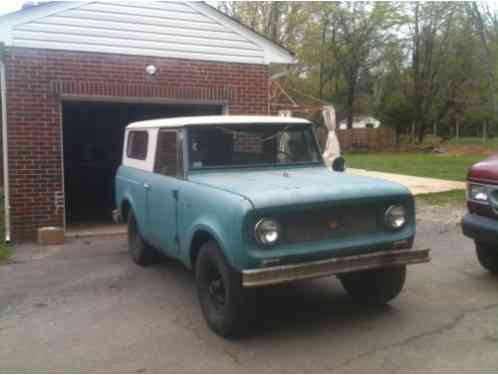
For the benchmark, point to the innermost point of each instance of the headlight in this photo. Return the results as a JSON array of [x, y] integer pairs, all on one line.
[[478, 193], [396, 217], [267, 232]]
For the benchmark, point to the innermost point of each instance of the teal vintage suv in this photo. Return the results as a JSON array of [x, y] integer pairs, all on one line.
[[246, 202]]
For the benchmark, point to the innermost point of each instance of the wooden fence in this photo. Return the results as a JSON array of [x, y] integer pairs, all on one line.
[[362, 139]]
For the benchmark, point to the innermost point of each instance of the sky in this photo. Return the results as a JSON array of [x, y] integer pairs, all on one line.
[[8, 6]]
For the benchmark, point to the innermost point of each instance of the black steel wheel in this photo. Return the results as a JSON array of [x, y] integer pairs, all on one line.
[[488, 256], [377, 287], [220, 292], [141, 253]]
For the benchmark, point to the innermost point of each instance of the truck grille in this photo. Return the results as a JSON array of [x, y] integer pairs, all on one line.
[[329, 223]]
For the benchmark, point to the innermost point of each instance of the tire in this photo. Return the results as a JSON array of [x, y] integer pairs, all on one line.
[[220, 292], [375, 287], [487, 256], [141, 253]]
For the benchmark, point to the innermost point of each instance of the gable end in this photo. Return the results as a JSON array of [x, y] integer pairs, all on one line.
[[160, 29]]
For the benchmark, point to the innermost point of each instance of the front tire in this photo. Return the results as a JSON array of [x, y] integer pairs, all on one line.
[[487, 256], [220, 292], [141, 253], [375, 287]]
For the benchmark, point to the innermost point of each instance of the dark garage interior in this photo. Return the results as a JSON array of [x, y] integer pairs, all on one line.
[[93, 143]]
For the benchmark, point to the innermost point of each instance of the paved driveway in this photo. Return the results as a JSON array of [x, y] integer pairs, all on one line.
[[417, 185], [86, 307]]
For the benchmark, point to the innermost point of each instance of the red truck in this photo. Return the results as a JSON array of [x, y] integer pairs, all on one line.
[[481, 221]]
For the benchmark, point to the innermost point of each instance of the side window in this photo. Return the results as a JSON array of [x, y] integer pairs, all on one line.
[[137, 144], [169, 161]]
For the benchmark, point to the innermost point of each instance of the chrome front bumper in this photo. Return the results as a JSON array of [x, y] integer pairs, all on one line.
[[332, 266]]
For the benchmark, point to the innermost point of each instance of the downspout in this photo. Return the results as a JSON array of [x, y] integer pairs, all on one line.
[[3, 80]]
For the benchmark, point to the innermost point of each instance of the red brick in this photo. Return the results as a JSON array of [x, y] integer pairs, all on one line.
[[33, 111]]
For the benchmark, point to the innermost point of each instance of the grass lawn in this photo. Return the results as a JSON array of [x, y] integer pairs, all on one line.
[[448, 198], [491, 143], [444, 166], [5, 250], [465, 141]]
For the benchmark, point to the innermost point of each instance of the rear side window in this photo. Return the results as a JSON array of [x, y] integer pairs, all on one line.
[[169, 160], [137, 145]]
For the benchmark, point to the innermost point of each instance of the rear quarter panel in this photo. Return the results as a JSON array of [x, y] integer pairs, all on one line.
[[129, 187]]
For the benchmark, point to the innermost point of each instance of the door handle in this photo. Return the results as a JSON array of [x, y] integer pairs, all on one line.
[[147, 186]]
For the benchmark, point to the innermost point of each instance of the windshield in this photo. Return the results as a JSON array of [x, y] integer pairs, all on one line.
[[254, 145]]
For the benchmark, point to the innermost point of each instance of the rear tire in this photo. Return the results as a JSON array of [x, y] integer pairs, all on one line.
[[487, 256], [375, 287], [141, 253], [220, 292]]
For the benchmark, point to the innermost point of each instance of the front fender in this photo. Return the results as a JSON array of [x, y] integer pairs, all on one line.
[[216, 231]]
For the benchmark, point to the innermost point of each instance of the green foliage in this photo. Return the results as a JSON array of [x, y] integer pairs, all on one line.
[[421, 64], [5, 253]]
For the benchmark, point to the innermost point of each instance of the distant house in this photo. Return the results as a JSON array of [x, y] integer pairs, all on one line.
[[361, 122]]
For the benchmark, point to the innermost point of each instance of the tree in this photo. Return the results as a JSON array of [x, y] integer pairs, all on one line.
[[421, 64], [431, 28], [391, 94], [485, 22], [360, 33], [281, 22]]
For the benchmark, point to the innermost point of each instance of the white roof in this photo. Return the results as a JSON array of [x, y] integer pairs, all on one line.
[[172, 29], [176, 122]]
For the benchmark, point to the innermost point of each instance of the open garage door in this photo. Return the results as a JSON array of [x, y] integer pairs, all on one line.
[[93, 135]]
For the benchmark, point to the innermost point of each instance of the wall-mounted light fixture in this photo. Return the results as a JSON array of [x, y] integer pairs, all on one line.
[[151, 70]]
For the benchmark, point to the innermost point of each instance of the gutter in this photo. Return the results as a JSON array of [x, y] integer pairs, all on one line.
[[5, 153]]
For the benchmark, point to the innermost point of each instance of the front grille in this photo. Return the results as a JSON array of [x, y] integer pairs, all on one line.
[[319, 225], [488, 209]]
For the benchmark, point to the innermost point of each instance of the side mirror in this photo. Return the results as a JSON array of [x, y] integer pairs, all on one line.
[[339, 164]]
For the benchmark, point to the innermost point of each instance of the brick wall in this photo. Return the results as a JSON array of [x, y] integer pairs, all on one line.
[[35, 80]]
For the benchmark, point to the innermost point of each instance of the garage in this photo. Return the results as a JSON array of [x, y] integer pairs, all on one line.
[[93, 145], [75, 73]]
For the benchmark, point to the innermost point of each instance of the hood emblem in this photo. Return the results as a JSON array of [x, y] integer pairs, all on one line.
[[332, 224]]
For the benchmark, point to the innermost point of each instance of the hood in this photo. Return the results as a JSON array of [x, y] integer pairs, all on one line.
[[486, 170], [266, 188]]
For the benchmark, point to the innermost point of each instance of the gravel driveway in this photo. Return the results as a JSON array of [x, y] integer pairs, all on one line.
[[86, 307]]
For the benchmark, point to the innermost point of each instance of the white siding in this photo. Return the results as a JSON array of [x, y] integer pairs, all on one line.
[[163, 29]]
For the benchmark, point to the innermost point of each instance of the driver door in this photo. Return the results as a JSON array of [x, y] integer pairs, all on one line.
[[164, 191]]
